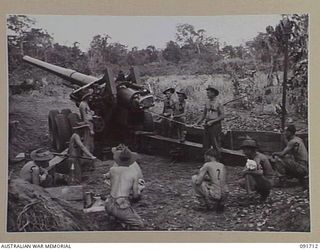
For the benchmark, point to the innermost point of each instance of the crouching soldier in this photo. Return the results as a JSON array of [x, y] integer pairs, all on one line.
[[210, 184], [258, 173], [35, 171], [292, 161], [124, 180]]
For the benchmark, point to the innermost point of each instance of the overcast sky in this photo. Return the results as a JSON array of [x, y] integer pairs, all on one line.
[[142, 31]]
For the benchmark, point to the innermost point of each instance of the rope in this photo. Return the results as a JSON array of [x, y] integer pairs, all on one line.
[[166, 118], [185, 124]]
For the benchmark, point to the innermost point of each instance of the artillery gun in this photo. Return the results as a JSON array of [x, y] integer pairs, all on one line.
[[120, 107]]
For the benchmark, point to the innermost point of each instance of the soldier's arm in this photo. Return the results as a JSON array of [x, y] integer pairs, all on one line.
[[136, 192], [82, 110], [201, 174], [221, 112], [266, 165], [286, 150], [83, 148]]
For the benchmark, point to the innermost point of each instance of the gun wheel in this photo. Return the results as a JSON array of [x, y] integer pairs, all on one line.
[[66, 112], [73, 118], [63, 132]]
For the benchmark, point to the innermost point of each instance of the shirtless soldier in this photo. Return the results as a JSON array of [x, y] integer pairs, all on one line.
[[210, 184], [213, 114], [293, 159], [124, 180], [168, 107], [87, 116], [78, 150]]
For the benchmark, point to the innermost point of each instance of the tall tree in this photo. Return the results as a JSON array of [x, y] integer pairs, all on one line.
[[188, 36]]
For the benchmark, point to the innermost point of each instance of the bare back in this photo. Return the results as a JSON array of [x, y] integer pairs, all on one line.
[[123, 181], [217, 174]]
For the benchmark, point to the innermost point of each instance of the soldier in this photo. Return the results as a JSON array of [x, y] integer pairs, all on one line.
[[131, 77], [117, 150], [210, 184], [258, 173], [168, 107], [35, 171], [213, 114], [124, 180], [121, 77], [87, 116], [78, 149], [293, 159], [179, 115]]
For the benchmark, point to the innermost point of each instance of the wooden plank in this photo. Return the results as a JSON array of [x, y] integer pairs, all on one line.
[[268, 141], [190, 151], [68, 193], [57, 160]]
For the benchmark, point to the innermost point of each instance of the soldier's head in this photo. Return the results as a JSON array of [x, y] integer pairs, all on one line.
[[290, 131], [212, 92], [123, 156], [249, 147], [168, 92], [41, 157], [212, 155]]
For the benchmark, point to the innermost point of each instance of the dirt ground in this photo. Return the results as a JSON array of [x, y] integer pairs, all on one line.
[[168, 201]]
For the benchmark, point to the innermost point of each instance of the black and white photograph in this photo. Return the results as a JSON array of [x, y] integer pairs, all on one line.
[[158, 123]]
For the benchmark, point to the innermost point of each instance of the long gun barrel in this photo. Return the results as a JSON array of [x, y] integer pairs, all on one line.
[[67, 74]]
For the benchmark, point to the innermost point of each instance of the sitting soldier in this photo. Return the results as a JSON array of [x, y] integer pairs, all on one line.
[[258, 173], [134, 165], [292, 161], [124, 180], [35, 171], [210, 184]]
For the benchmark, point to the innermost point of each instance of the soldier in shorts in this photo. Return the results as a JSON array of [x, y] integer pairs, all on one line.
[[293, 159], [168, 107], [210, 184], [179, 115], [124, 181], [213, 114], [258, 174]]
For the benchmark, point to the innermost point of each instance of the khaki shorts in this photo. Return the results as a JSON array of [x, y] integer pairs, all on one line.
[[121, 209]]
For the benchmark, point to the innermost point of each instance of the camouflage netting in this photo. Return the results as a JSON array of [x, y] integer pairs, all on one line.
[[32, 209]]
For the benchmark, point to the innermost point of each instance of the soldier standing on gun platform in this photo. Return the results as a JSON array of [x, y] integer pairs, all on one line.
[[179, 115], [168, 107], [87, 116], [213, 114], [77, 149]]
